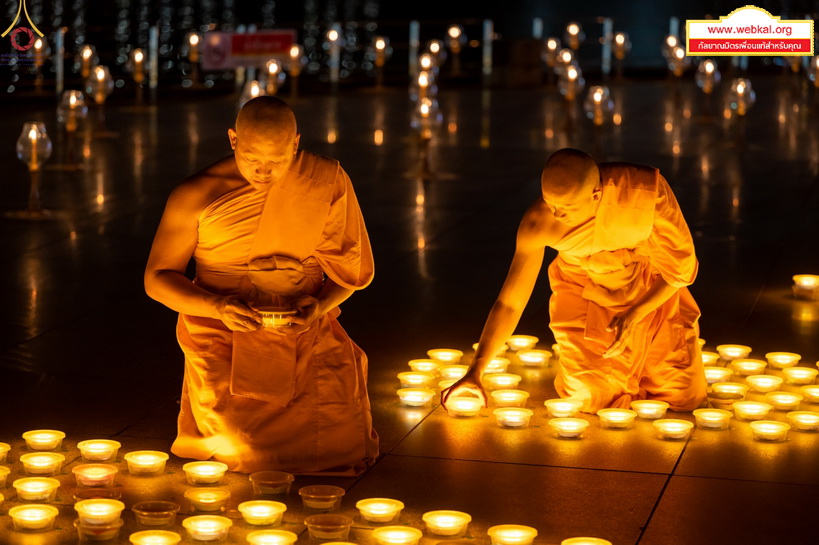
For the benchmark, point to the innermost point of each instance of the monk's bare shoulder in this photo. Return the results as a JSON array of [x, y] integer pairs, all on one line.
[[199, 190], [539, 228]]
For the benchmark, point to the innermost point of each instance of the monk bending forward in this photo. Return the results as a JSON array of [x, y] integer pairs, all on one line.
[[267, 226], [621, 313]]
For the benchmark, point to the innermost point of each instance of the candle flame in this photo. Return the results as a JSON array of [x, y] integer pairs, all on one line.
[[709, 67], [332, 35], [380, 43], [571, 73], [423, 79], [378, 137], [295, 51], [671, 40], [426, 61], [619, 39], [194, 39], [138, 55], [87, 52], [454, 31], [32, 135], [573, 29], [99, 72]]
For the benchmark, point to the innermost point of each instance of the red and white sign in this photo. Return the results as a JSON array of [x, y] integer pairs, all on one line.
[[226, 50]]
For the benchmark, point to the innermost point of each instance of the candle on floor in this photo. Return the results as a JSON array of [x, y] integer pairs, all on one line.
[[99, 511], [534, 358], [806, 286], [4, 451], [563, 407], [379, 509], [568, 428], [782, 360], [262, 512], [717, 374], [731, 352], [444, 384], [713, 419], [98, 532], [769, 430], [585, 541], [397, 535], [511, 534], [42, 463], [496, 365], [804, 420], [617, 418], [728, 390], [204, 472], [709, 358], [413, 379], [154, 537], [649, 409], [763, 383], [800, 375], [810, 393], [44, 439], [156, 512], [784, 401], [513, 417], [207, 499], [453, 372], [673, 429], [146, 462], [33, 517], [424, 366], [36, 488], [207, 527], [522, 342], [271, 537], [416, 397], [745, 366], [445, 355], [271, 482], [99, 450], [509, 398], [463, 406], [326, 527], [751, 410], [501, 381], [321, 496], [446, 523], [4, 473], [95, 474]]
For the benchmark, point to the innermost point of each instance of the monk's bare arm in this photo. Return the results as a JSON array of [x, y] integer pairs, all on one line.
[[312, 308]]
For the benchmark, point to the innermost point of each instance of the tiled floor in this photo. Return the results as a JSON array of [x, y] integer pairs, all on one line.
[[83, 350]]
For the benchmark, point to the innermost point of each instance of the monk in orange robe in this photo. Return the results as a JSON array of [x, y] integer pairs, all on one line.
[[269, 226], [624, 320]]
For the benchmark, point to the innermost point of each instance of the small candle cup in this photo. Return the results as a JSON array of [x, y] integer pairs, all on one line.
[[672, 429], [96, 493], [446, 356], [95, 475], [649, 409], [463, 406], [453, 372], [36, 488], [511, 534], [745, 367], [99, 450], [709, 358], [585, 541], [44, 439], [146, 462], [154, 537], [262, 512], [534, 358], [751, 410], [416, 397], [501, 350], [276, 316], [207, 499], [497, 365], [4, 473], [397, 535], [731, 352], [509, 398], [271, 482], [414, 379], [91, 533], [522, 342], [568, 428], [33, 518], [800, 376], [717, 374], [199, 473], [4, 451], [326, 527], [379, 509], [271, 537], [712, 419], [729, 391], [207, 527], [810, 393], [804, 420], [769, 430], [42, 463], [513, 417], [782, 360], [444, 384], [617, 419], [784, 401], [321, 496], [563, 408], [446, 523], [424, 366], [500, 381], [156, 512], [99, 511], [763, 383], [806, 286]]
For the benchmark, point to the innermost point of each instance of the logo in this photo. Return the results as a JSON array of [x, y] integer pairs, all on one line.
[[15, 40], [21, 7]]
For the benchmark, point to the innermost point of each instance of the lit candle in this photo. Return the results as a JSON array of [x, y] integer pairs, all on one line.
[[806, 286], [501, 350], [800, 375], [99, 450], [444, 384], [95, 474], [445, 355], [763, 383], [397, 535], [207, 499], [415, 379], [156, 512], [563, 408], [522, 342], [274, 75], [709, 358], [204, 472], [717, 374], [36, 488], [42, 439], [617, 418], [4, 474], [552, 47], [573, 35], [463, 406], [649, 409], [4, 451], [509, 398], [296, 54], [379, 509], [751, 410], [568, 428], [782, 360], [207, 527], [262, 512], [33, 517], [453, 372], [730, 352], [745, 367], [86, 54], [534, 358], [271, 537], [193, 44], [138, 59], [804, 420], [585, 541], [811, 393], [728, 390], [672, 429], [497, 365], [513, 417], [784, 401], [46, 463], [154, 537], [446, 523], [769, 430], [416, 397], [271, 482], [99, 511], [146, 462], [321, 496], [712, 419], [423, 85], [424, 366], [326, 527], [501, 381], [511, 534]]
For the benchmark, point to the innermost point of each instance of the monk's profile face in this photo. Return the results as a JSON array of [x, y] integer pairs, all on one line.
[[570, 186]]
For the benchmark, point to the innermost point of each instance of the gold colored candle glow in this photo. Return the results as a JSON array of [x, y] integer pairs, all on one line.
[[207, 527], [45, 463], [717, 374], [563, 408], [763, 383], [804, 420], [673, 429], [746, 366], [146, 462], [271, 537], [379, 509], [445, 355], [522, 342], [500, 381], [33, 517], [616, 418], [43, 439], [511, 534], [730, 352], [751, 410], [424, 366], [509, 398], [800, 375], [99, 450], [769, 430], [513, 417], [534, 358], [783, 401], [262, 512], [782, 360], [36, 488], [397, 535], [713, 419], [569, 427], [154, 537], [463, 406], [204, 472], [99, 511], [446, 523], [413, 379], [649, 408], [207, 499], [415, 397]]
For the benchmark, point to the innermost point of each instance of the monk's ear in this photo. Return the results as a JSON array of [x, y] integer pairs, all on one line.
[[232, 138], [296, 143], [597, 194]]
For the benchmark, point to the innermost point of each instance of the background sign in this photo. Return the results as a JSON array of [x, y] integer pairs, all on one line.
[[227, 50]]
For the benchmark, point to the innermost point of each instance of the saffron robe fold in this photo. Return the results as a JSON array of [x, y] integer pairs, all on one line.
[[272, 399], [606, 265]]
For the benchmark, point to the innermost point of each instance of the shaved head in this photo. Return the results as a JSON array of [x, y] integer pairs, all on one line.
[[266, 115], [570, 186]]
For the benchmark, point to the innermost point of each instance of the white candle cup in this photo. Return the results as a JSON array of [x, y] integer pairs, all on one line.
[[99, 511], [649, 409], [733, 391], [99, 450], [276, 316], [585, 541], [810, 393], [42, 463], [146, 462], [763, 383], [784, 401], [701, 342], [262, 512], [95, 475], [453, 372], [272, 537], [497, 365], [782, 360], [745, 367], [98, 532], [717, 374], [463, 406], [379, 509], [4, 473], [271, 482], [416, 397], [712, 419], [500, 381], [154, 537], [397, 535], [446, 523], [4, 451], [617, 419], [672, 429], [804, 420], [444, 384], [509, 398], [199, 473], [556, 350], [731, 352], [709, 358], [36, 488], [33, 518], [511, 534], [800, 376], [534, 358], [513, 417], [156, 512], [321, 496], [207, 527], [44, 439], [424, 366], [563, 407], [769, 430], [501, 350], [446, 356], [414, 379], [207, 499], [326, 527], [568, 428], [751, 410], [806, 286], [522, 342]]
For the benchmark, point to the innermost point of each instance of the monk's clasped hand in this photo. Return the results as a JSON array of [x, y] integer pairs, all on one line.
[[623, 326], [309, 311], [237, 315]]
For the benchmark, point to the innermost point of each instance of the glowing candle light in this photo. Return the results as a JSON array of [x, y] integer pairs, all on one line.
[[397, 535], [445, 355], [617, 418], [501, 381], [95, 474], [563, 408], [782, 360], [33, 517], [534, 358], [156, 512], [751, 410], [193, 47], [717, 374], [271, 537], [509, 398], [708, 76], [672, 429], [810, 393], [99, 450], [207, 527], [453, 372], [497, 365], [4, 474], [745, 367], [650, 409], [87, 54], [4, 451], [713, 419], [784, 401], [146, 462], [424, 81], [46, 463], [36, 488], [43, 439], [573, 35], [271, 482], [522, 342], [585, 541], [154, 537], [99, 511], [769, 430], [379, 509], [568, 428], [731, 352], [806, 286], [446, 523], [262, 512], [728, 390], [207, 499], [804, 420], [296, 54], [709, 358], [463, 406], [321, 496], [513, 417], [328, 527], [416, 397], [138, 62], [763, 383], [424, 366], [800, 375], [511, 534], [415, 379], [204, 472]]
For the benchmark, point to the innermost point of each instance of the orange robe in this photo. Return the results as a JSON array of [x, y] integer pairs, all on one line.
[[270, 399], [603, 267]]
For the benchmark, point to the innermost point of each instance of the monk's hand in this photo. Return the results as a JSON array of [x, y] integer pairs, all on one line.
[[623, 326], [468, 384], [309, 310], [238, 315]]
